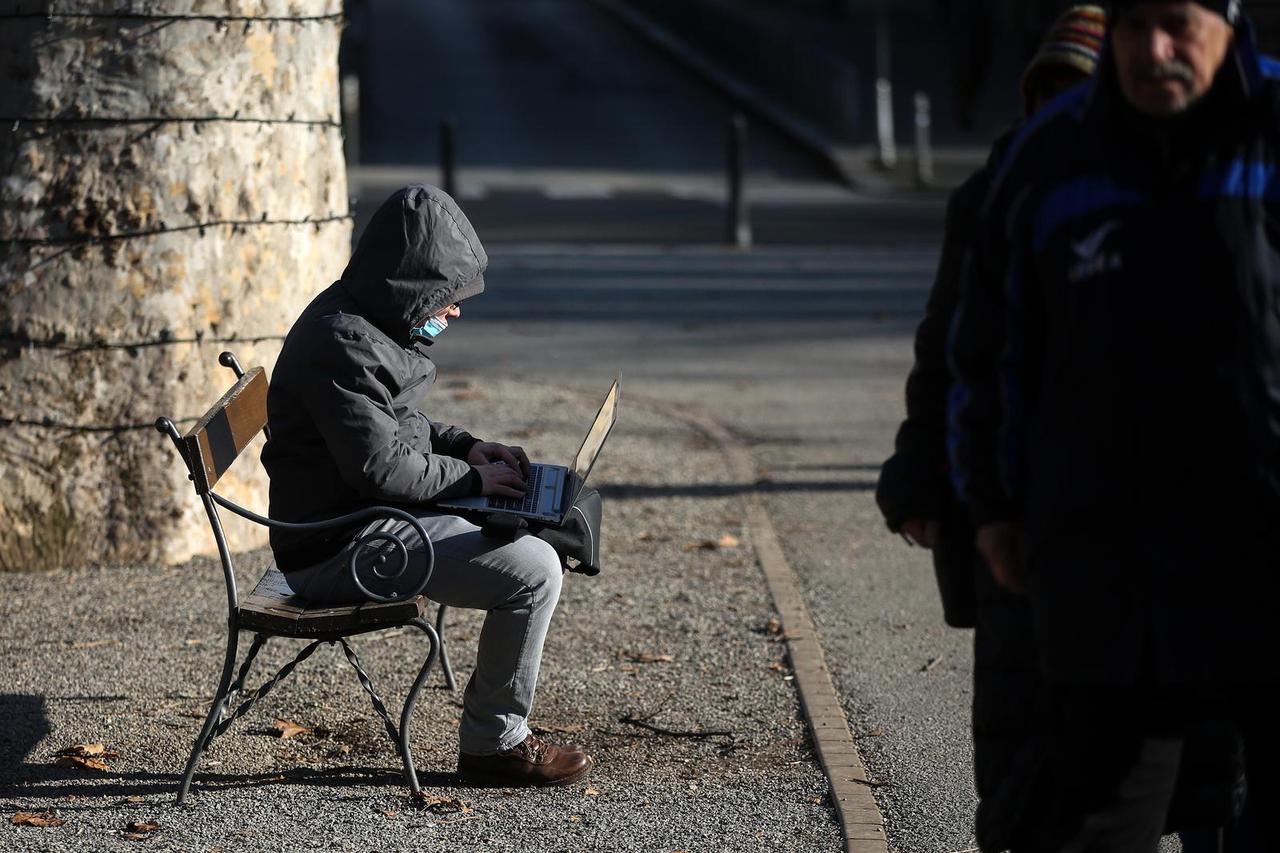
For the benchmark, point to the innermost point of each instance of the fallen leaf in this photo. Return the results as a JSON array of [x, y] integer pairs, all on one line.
[[591, 792], [875, 731], [575, 818], [645, 657], [135, 799], [36, 819], [387, 812], [81, 761], [704, 545], [288, 729], [194, 642], [778, 666], [728, 541], [88, 749], [773, 626], [442, 805], [601, 668], [142, 827]]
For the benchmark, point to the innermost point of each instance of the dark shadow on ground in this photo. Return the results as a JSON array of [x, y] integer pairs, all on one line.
[[624, 491], [25, 724], [868, 467]]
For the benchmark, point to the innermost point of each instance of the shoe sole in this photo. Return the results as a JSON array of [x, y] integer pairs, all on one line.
[[498, 780]]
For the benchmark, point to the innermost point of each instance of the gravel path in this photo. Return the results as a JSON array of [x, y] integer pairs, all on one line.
[[128, 656]]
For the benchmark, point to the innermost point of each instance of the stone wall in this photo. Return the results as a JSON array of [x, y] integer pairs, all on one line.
[[121, 137]]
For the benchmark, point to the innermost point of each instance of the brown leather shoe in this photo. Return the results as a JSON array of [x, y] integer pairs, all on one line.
[[530, 762]]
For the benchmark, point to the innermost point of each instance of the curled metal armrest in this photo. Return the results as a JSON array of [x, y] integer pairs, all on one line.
[[365, 515]]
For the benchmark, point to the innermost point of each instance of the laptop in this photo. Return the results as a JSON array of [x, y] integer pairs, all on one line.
[[551, 490]]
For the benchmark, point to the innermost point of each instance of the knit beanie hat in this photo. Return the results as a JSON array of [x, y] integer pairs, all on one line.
[[1073, 42], [1229, 9]]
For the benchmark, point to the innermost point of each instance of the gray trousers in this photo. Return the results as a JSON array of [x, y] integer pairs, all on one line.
[[518, 583]]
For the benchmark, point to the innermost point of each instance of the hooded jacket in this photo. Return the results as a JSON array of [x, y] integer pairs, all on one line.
[[346, 396]]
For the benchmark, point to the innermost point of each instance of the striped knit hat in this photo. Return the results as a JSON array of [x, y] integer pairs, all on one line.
[[1073, 42], [1229, 9]]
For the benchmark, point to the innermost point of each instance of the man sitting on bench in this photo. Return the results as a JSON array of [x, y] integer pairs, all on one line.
[[347, 432]]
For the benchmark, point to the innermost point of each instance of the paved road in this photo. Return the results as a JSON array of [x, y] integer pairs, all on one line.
[[802, 352]]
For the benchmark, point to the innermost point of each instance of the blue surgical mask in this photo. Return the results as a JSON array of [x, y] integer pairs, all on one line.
[[430, 330]]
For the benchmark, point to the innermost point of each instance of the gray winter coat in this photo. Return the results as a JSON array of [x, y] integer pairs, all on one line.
[[346, 396]]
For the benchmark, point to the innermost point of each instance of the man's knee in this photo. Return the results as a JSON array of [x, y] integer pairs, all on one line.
[[540, 565]]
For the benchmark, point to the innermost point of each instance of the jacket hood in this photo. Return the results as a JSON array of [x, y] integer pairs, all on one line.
[[417, 255]]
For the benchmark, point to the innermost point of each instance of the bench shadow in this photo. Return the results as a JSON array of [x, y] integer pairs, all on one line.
[[54, 782]]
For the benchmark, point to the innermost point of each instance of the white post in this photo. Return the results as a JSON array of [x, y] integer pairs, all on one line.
[[924, 147], [887, 148], [351, 118]]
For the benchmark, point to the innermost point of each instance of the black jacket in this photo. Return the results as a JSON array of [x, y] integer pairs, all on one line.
[[914, 482], [345, 398], [1118, 388]]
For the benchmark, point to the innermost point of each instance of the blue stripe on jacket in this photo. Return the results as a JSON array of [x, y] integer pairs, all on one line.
[[1076, 199], [1241, 179], [958, 399]]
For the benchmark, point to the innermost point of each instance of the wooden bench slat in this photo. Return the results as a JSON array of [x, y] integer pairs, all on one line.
[[222, 434], [272, 607]]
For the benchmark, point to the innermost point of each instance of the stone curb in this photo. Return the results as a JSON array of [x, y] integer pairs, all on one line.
[[861, 822]]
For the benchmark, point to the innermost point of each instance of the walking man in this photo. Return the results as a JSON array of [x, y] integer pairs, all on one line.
[[1115, 423], [917, 500]]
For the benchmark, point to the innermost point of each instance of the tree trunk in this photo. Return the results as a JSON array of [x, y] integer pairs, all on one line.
[[173, 186]]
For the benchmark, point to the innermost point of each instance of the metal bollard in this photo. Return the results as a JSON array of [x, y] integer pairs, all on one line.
[[737, 222], [924, 146], [350, 102], [448, 161], [885, 143]]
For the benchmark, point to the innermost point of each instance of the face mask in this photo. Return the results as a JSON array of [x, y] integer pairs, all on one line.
[[429, 330]]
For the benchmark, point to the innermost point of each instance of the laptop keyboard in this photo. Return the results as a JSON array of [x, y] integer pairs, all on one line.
[[529, 503]]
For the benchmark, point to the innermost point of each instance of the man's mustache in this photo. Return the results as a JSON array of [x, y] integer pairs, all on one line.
[[1171, 70]]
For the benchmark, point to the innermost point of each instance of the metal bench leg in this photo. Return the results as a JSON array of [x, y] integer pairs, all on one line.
[[444, 650], [216, 711], [436, 645]]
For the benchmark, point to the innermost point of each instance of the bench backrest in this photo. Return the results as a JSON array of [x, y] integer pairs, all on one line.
[[225, 431]]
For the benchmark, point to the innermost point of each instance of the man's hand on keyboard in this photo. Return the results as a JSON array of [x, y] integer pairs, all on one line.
[[485, 452], [498, 478]]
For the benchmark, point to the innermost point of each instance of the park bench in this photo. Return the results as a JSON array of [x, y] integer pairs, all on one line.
[[271, 610]]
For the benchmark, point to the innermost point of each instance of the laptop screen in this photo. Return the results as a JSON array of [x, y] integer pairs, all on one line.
[[597, 434]]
